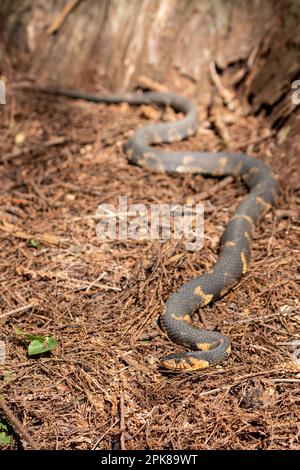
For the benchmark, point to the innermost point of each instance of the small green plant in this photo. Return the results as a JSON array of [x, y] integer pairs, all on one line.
[[8, 376], [4, 434], [33, 243], [38, 344]]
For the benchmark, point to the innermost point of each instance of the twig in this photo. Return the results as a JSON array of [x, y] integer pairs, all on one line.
[[122, 423], [19, 233], [58, 21], [277, 381], [148, 336], [146, 421], [16, 423], [203, 319], [255, 140], [226, 94], [149, 84], [92, 284], [104, 434], [272, 315], [17, 310], [24, 151], [142, 324], [213, 390], [285, 213], [136, 365], [214, 189], [99, 286], [38, 192]]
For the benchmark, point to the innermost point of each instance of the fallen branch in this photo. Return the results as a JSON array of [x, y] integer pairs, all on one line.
[[16, 424]]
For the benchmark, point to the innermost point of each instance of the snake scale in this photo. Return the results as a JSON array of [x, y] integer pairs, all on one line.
[[207, 347]]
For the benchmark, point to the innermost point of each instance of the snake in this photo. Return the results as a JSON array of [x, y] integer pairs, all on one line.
[[206, 347]]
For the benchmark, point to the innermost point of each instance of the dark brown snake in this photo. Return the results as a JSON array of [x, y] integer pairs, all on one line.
[[208, 347]]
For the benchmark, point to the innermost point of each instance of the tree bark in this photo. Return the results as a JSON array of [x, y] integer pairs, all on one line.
[[114, 42]]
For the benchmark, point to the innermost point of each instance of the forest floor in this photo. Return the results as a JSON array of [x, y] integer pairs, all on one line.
[[102, 387]]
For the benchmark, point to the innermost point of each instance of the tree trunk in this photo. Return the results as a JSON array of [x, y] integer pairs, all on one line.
[[114, 42]]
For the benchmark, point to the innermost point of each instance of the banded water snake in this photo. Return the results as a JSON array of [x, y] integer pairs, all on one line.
[[208, 347]]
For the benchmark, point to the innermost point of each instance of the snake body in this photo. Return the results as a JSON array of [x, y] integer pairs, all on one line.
[[207, 347]]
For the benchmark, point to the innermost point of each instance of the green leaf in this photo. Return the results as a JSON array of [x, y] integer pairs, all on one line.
[[52, 342], [7, 376], [28, 336], [38, 347], [33, 243], [4, 437], [39, 344]]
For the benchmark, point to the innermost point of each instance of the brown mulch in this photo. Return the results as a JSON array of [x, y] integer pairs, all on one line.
[[102, 388]]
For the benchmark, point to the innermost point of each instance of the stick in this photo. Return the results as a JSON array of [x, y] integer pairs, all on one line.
[[58, 21], [17, 310], [122, 423], [148, 336], [272, 315], [24, 151], [214, 189], [255, 140], [149, 84], [136, 365], [285, 380], [105, 434], [16, 423], [19, 233], [226, 94], [99, 286]]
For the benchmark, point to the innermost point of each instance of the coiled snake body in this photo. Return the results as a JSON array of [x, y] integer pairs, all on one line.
[[208, 347]]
